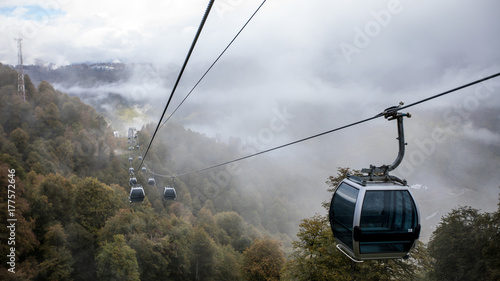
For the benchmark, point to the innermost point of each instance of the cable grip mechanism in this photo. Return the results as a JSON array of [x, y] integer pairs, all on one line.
[[381, 173]]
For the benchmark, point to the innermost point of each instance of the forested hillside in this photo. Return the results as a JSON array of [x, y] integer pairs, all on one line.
[[64, 180], [74, 221]]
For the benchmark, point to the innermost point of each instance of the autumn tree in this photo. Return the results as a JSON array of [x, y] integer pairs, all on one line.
[[203, 257], [58, 260], [20, 138], [58, 193], [315, 256], [94, 204], [49, 121], [81, 243], [117, 261], [179, 249], [229, 264], [263, 260], [232, 230], [152, 256]]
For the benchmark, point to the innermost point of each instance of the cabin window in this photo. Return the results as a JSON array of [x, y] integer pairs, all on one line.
[[342, 213], [388, 221]]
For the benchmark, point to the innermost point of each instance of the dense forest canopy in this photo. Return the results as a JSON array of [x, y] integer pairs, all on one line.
[[74, 221]]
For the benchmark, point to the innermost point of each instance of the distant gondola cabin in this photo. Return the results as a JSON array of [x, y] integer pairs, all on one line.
[[169, 193], [137, 194], [133, 181], [151, 181]]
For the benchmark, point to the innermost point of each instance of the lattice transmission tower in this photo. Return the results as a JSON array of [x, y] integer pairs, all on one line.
[[20, 71]]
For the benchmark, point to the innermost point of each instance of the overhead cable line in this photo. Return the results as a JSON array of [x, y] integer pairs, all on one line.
[[205, 16], [211, 66], [342, 127], [281, 146], [203, 76], [452, 90]]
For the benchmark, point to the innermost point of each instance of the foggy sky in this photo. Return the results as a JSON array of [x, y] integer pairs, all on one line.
[[321, 64]]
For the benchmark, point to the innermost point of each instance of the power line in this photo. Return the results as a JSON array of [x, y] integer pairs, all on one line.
[[205, 16], [342, 127], [216, 60]]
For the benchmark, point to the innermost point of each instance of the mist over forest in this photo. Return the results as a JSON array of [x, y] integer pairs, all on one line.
[[456, 169]]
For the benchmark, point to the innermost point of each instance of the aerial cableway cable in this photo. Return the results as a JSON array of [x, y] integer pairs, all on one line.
[[339, 128], [452, 90], [205, 16], [216, 60]]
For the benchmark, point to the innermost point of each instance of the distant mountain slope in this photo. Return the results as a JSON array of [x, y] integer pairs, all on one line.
[[71, 197]]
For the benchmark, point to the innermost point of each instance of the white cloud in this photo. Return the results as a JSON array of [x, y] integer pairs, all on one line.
[[482, 135]]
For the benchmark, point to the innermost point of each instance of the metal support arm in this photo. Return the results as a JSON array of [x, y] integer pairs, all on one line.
[[381, 172]]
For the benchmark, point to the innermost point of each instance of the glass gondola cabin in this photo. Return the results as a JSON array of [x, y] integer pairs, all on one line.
[[374, 220], [151, 181], [133, 181], [136, 194], [169, 193]]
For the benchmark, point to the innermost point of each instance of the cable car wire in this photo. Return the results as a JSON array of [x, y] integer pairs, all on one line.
[[281, 146], [342, 127], [211, 66], [199, 81], [451, 91], [205, 16]]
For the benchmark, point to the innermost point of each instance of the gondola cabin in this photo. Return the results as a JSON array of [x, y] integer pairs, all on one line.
[[169, 193], [151, 181], [143, 169], [374, 219], [130, 159], [137, 194], [131, 171], [133, 181]]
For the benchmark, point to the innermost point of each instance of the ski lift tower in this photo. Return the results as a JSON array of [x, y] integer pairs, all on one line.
[[20, 71]]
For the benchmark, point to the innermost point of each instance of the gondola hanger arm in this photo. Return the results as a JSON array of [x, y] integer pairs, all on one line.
[[382, 172]]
